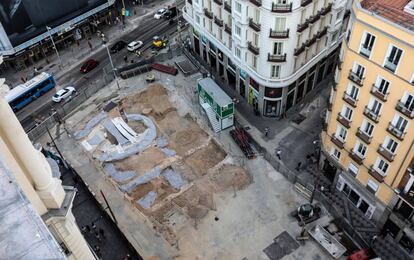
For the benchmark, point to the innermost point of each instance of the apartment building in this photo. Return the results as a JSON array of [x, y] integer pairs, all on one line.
[[271, 52], [368, 134]]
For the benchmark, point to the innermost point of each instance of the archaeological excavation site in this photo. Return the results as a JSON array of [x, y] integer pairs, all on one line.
[[151, 147]]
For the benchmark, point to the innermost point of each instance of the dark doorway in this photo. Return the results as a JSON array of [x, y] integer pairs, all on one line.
[[320, 73], [242, 89], [232, 79], [197, 46], [309, 85], [213, 62], [290, 99], [221, 70], [299, 95], [329, 170], [391, 228]]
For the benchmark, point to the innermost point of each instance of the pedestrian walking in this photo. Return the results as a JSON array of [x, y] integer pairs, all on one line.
[[266, 131], [90, 45], [97, 249], [298, 166], [88, 228], [127, 257], [93, 226], [126, 59], [83, 228], [102, 233], [278, 154]]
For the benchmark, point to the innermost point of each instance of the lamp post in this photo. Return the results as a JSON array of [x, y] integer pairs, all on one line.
[[110, 59], [54, 46]]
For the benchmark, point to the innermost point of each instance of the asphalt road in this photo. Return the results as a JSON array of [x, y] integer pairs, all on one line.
[[39, 109]]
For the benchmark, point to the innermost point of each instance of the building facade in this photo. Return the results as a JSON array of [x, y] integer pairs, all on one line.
[[25, 39], [272, 53], [33, 175], [368, 134]]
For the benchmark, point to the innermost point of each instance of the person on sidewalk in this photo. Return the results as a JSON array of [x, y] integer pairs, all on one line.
[[298, 166], [279, 154], [102, 233], [266, 131]]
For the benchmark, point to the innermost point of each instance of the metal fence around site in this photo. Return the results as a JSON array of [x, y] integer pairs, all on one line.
[[60, 112]]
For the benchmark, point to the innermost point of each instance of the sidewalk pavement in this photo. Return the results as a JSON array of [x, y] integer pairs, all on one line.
[[74, 55]]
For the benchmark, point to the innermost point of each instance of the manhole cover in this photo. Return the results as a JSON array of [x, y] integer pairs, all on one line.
[[283, 245]]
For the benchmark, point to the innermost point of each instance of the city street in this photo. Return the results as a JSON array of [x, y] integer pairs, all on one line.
[[41, 108]]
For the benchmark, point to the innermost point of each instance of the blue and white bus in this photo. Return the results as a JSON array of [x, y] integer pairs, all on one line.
[[23, 94]]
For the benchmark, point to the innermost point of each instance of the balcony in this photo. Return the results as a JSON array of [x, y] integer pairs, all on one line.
[[279, 34], [299, 50], [371, 114], [363, 136], [403, 109], [227, 7], [208, 13], [257, 3], [281, 8], [227, 29], [254, 25], [350, 100], [356, 157], [339, 65], [329, 104], [255, 50], [344, 121], [326, 10], [314, 18], [390, 65], [322, 33], [355, 78], [310, 42], [324, 126], [218, 21], [219, 2], [374, 173], [337, 142], [392, 129], [304, 3], [276, 58], [377, 93], [385, 153], [365, 51], [303, 26]]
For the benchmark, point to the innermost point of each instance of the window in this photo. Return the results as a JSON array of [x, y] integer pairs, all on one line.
[[347, 112], [335, 36], [393, 58], [375, 106], [237, 52], [254, 61], [282, 2], [382, 85], [390, 144], [237, 30], [238, 7], [381, 166], [255, 39], [408, 101], [220, 34], [275, 71], [360, 149], [197, 19], [353, 169], [278, 48], [341, 133], [256, 15], [339, 15], [336, 153], [367, 128], [400, 123], [280, 24], [352, 91], [359, 70], [367, 44], [372, 186]]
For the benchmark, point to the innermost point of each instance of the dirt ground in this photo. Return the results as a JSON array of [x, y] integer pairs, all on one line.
[[199, 160]]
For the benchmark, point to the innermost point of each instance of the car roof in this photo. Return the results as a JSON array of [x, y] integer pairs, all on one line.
[[161, 9], [133, 43], [61, 91]]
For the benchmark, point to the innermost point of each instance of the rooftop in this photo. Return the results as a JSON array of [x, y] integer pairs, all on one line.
[[219, 96], [392, 10], [23, 234]]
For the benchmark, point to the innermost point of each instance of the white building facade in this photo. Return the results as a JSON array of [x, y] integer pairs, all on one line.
[[272, 53]]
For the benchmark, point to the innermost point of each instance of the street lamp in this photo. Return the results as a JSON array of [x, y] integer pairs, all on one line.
[[110, 59], [54, 46]]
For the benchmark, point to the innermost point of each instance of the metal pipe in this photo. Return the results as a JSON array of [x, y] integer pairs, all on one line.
[[110, 59]]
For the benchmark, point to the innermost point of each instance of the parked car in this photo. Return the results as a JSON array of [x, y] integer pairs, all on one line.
[[135, 45], [64, 93], [160, 13], [119, 45], [89, 65]]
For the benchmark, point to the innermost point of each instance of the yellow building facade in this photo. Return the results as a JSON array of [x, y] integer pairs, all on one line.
[[368, 137]]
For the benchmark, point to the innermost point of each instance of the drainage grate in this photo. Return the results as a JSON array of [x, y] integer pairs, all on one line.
[[283, 245]]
